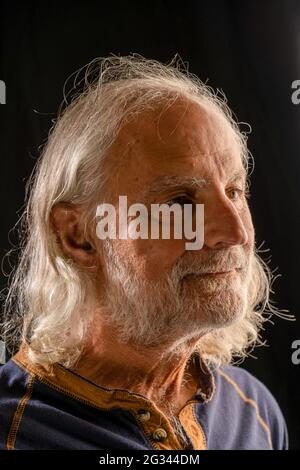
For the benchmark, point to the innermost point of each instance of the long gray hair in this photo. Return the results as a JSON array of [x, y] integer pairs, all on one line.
[[47, 305]]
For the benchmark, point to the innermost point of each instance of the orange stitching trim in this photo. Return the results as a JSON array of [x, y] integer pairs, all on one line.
[[200, 429], [251, 402], [11, 440], [192, 427]]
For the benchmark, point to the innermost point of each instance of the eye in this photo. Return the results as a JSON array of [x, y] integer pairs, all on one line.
[[184, 199], [237, 193], [234, 193]]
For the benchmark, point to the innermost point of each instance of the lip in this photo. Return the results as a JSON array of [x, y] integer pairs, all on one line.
[[217, 274], [221, 273]]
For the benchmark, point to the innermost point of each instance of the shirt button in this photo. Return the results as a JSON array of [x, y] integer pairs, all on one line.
[[159, 434], [144, 415]]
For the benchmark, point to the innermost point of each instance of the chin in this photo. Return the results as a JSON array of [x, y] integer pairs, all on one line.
[[218, 310]]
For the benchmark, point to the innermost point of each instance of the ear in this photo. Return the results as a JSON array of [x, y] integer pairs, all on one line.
[[66, 223]]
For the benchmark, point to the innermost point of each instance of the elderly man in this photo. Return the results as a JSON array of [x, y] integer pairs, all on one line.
[[127, 343]]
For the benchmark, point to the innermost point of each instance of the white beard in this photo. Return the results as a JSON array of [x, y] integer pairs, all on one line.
[[173, 309]]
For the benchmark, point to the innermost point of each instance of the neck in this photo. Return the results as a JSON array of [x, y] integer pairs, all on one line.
[[165, 375]]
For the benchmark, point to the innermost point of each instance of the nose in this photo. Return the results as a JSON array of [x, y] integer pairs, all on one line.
[[223, 225]]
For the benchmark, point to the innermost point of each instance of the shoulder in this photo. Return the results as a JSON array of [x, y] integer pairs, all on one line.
[[14, 383], [245, 394], [245, 383]]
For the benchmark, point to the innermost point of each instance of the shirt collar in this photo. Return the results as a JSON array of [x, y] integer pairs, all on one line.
[[82, 389]]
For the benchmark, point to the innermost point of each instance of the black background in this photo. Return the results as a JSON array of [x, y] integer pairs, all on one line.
[[250, 50]]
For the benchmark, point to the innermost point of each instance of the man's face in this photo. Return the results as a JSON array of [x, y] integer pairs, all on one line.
[[155, 288]]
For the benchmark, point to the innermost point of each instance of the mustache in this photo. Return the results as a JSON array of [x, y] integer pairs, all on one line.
[[218, 261]]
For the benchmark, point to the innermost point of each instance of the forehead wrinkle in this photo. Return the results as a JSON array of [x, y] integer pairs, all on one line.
[[171, 153]]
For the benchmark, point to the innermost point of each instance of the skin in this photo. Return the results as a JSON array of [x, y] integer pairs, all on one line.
[[186, 139]]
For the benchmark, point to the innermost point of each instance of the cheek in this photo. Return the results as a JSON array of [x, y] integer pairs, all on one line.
[[154, 258]]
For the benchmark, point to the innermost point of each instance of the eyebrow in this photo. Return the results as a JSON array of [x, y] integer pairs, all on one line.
[[167, 182], [164, 183], [239, 174]]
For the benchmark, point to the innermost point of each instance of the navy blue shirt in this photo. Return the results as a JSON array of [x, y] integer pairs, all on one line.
[[54, 408]]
